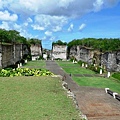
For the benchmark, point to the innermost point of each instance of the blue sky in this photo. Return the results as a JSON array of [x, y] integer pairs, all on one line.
[[52, 20]]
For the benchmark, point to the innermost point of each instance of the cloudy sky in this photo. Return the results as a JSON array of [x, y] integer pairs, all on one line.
[[52, 20]]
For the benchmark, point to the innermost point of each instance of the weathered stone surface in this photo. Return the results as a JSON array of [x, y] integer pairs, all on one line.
[[81, 53], [10, 54], [36, 51], [110, 60], [59, 51], [7, 55]]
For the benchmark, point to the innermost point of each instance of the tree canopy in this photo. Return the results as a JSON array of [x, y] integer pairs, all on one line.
[[13, 36], [34, 41], [101, 44], [59, 42]]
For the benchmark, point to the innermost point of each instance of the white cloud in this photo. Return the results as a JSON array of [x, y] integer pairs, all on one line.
[[65, 3], [1, 4], [37, 27], [5, 16], [17, 27], [24, 33], [57, 28], [53, 23], [98, 4], [82, 26], [47, 38], [70, 27], [48, 33], [68, 8], [4, 25], [29, 20]]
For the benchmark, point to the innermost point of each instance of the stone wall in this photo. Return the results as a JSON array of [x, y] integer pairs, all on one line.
[[81, 53], [59, 51], [25, 50], [110, 60], [36, 51], [11, 54], [7, 55]]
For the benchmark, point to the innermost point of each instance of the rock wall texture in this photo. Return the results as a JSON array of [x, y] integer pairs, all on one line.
[[110, 60], [7, 55], [81, 53], [11, 54], [36, 50], [59, 51]]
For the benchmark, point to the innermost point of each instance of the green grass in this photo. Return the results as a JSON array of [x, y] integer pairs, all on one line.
[[34, 98], [116, 75], [78, 70], [36, 64], [67, 64], [97, 82], [69, 67]]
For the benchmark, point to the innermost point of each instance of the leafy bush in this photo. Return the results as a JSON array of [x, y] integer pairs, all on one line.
[[58, 59], [95, 68], [80, 62], [73, 58], [116, 75], [24, 72]]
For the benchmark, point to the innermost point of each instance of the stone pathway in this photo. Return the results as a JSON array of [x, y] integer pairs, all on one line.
[[93, 102]]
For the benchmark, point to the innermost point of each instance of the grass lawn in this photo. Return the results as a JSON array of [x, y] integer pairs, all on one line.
[[67, 64], [78, 70], [98, 82], [36, 64], [34, 98], [69, 67]]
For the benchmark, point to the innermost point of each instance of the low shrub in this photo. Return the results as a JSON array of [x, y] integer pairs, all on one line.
[[24, 72], [80, 62], [95, 68], [116, 75]]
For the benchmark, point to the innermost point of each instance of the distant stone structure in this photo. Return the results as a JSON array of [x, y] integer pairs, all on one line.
[[59, 52], [81, 53], [110, 60], [36, 51], [10, 54]]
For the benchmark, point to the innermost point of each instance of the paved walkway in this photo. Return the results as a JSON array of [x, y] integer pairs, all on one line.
[[93, 102]]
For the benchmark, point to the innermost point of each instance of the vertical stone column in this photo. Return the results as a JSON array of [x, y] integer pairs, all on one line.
[[0, 56], [21, 53], [108, 75], [100, 71]]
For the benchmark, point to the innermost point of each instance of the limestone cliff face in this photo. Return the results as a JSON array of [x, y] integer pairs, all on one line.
[[36, 50], [110, 60], [11, 54], [59, 51], [74, 52], [81, 53]]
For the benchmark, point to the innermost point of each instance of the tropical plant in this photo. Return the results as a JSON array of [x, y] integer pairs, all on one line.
[[24, 72]]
